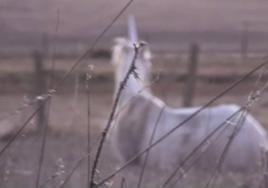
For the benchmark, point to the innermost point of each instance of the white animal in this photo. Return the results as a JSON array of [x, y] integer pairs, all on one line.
[[139, 110]]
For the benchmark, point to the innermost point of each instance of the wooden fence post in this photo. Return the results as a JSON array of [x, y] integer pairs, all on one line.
[[191, 75], [39, 86]]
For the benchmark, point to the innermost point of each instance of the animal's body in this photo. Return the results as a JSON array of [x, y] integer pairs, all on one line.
[[136, 122], [139, 111]]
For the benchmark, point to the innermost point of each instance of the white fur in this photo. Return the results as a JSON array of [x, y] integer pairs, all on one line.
[[133, 127]]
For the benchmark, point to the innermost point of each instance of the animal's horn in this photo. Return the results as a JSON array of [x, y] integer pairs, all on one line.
[[132, 29]]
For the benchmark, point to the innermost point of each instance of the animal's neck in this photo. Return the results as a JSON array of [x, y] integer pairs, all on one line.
[[133, 86]]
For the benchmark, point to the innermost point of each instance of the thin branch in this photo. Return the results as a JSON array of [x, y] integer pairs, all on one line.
[[88, 128], [48, 106], [185, 121], [13, 138], [43, 146], [183, 171], [134, 97], [222, 157], [150, 142], [199, 146], [72, 171], [108, 125], [18, 110]]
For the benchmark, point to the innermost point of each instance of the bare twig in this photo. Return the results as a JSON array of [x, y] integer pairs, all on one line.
[[88, 127], [183, 171], [48, 106], [150, 142], [19, 109], [43, 146], [222, 157], [13, 138], [198, 147], [108, 125], [183, 122], [72, 171], [134, 97]]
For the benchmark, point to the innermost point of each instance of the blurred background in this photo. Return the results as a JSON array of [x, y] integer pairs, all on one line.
[[214, 41], [169, 26]]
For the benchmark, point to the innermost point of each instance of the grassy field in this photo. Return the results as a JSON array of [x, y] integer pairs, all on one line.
[[68, 114]]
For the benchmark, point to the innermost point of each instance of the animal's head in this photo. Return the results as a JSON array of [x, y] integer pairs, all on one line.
[[123, 54]]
